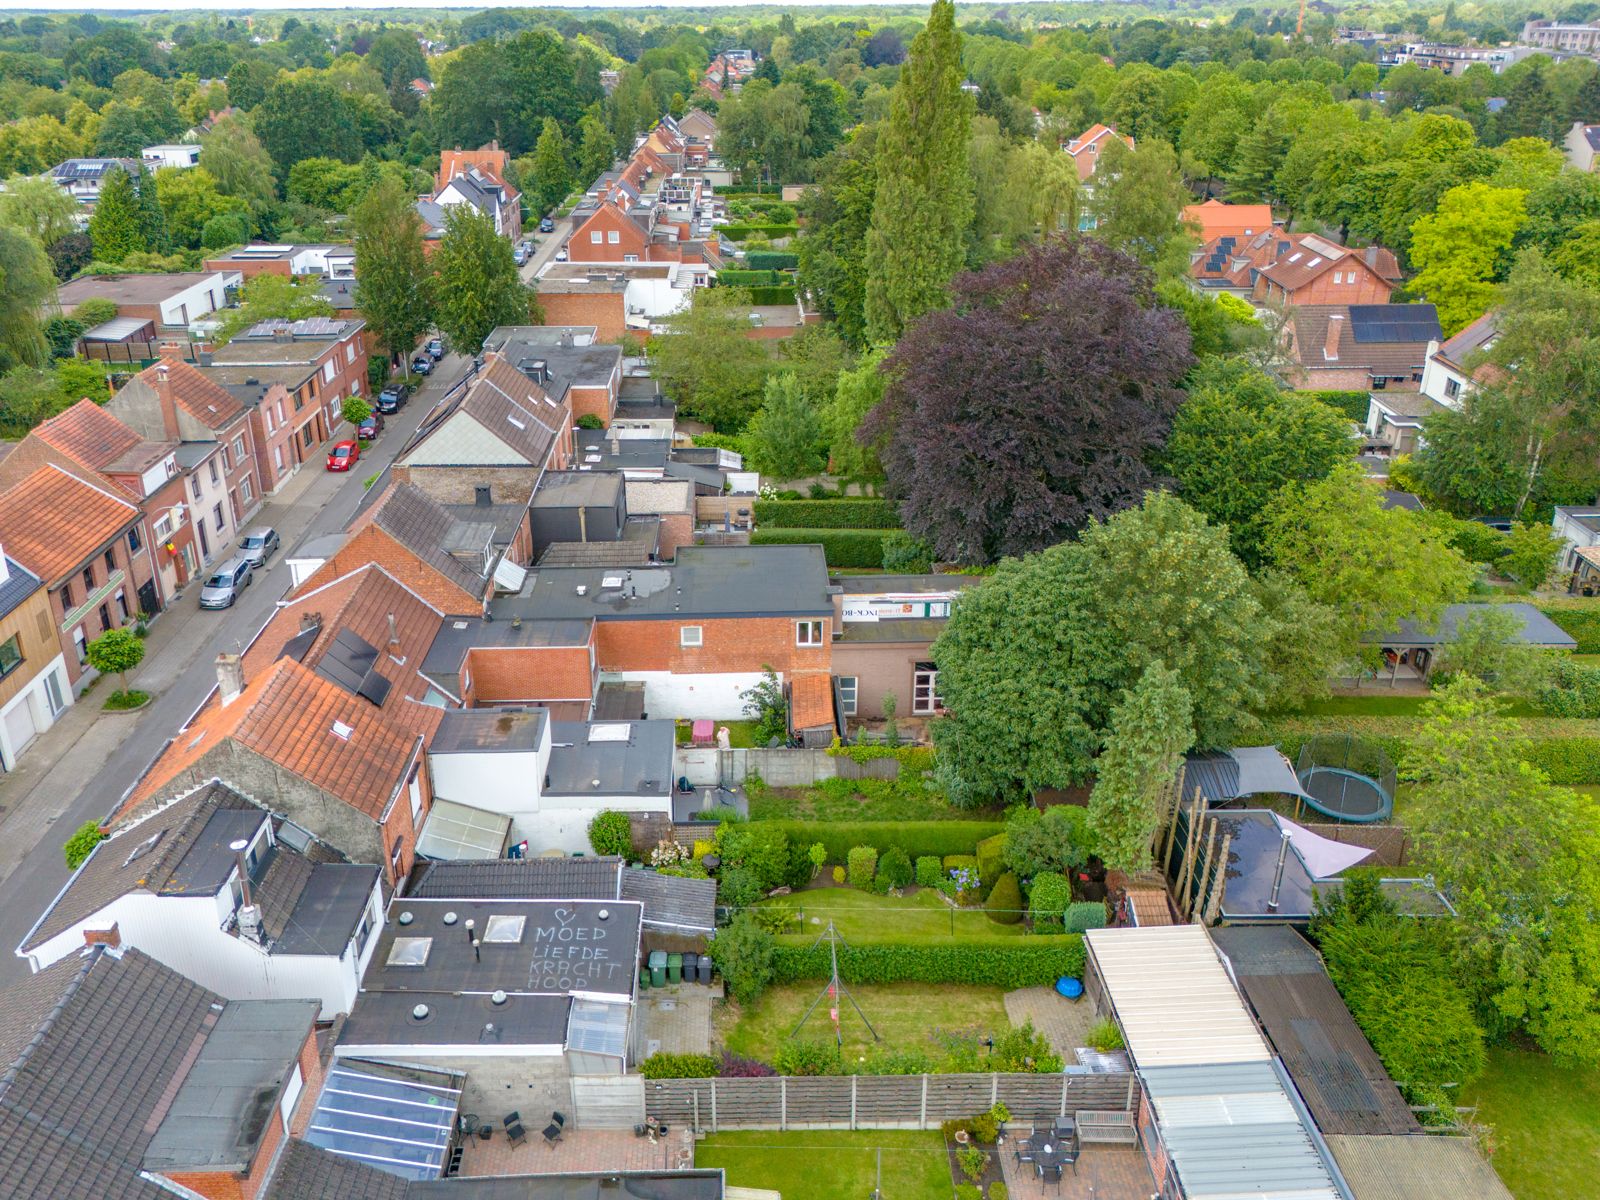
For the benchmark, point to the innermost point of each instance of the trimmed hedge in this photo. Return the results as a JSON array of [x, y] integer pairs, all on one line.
[[737, 233], [679, 1066], [919, 839], [913, 759], [1085, 914], [751, 278], [992, 859], [1351, 404], [1580, 624], [840, 547], [1568, 759], [771, 295], [1021, 962], [864, 513], [771, 260], [930, 871], [861, 865]]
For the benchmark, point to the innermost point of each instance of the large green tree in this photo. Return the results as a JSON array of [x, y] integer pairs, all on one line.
[[595, 150], [1462, 247], [833, 254], [301, 118], [1240, 438], [857, 392], [922, 205], [117, 226], [1138, 195], [1374, 566], [503, 90], [552, 174], [785, 435], [38, 207], [1150, 730], [189, 198], [1035, 660], [476, 285], [239, 163], [266, 297], [27, 284], [392, 277], [707, 361]]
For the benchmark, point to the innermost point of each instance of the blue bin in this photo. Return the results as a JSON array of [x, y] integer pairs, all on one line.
[[1069, 987]]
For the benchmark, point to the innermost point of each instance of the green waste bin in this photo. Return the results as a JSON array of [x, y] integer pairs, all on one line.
[[658, 968], [644, 979], [674, 968]]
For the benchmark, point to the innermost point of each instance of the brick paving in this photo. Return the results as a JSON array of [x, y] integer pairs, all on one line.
[[677, 1019], [581, 1151], [1064, 1023], [1102, 1173]]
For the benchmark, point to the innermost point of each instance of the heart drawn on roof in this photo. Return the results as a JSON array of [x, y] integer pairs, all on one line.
[[566, 916]]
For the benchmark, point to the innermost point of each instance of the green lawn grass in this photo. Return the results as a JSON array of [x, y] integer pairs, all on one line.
[[922, 917], [741, 734], [906, 1016], [906, 799], [832, 1165], [1546, 1122], [1382, 705]]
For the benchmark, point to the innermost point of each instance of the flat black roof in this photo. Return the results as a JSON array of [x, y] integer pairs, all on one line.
[[207, 865], [329, 909], [705, 581], [593, 450], [489, 730], [578, 489], [610, 758], [459, 634]]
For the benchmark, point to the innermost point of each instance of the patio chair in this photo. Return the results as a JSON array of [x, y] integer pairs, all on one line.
[[515, 1133], [467, 1125], [559, 1119], [552, 1134], [1023, 1149]]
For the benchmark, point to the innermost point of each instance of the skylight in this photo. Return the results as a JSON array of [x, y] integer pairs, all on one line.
[[504, 930], [342, 731], [609, 733], [410, 952], [144, 847]]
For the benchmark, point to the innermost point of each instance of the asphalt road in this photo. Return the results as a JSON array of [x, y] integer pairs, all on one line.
[[80, 769], [545, 246]]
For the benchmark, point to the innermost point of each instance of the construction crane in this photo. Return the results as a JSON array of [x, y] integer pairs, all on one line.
[[1300, 25]]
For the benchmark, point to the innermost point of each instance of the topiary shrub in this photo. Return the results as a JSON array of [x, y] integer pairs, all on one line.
[[930, 871], [611, 833], [1086, 914], [838, 874], [862, 864], [590, 421], [895, 868], [1004, 904], [992, 859], [1048, 900]]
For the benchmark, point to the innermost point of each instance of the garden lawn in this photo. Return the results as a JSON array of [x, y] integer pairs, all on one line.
[[741, 734], [829, 1165], [908, 798], [1380, 704], [906, 1016], [1546, 1122], [920, 918]]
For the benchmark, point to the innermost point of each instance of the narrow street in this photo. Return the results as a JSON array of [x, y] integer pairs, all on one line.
[[79, 769], [545, 246]]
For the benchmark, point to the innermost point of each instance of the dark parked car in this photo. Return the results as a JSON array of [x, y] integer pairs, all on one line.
[[422, 365], [258, 544], [392, 398], [436, 349], [370, 427], [222, 586], [547, 226]]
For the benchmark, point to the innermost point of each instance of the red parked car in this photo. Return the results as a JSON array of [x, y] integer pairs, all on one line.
[[343, 456]]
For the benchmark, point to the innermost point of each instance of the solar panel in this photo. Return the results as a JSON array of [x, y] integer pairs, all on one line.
[[348, 660], [1371, 323]]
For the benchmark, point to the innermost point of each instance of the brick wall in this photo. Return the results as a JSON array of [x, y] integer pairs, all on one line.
[[1337, 379], [373, 545], [459, 485], [728, 645], [510, 675], [595, 401], [399, 827], [677, 529], [605, 311]]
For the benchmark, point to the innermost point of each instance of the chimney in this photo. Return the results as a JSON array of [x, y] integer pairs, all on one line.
[[310, 621], [394, 631], [283, 333], [169, 406], [230, 677], [1330, 347], [103, 937], [203, 357]]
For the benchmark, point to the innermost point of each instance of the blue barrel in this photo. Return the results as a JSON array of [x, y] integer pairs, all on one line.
[[1069, 987]]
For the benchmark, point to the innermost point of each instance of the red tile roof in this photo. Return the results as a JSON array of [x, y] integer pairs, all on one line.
[[1215, 219], [193, 391], [51, 522], [89, 434]]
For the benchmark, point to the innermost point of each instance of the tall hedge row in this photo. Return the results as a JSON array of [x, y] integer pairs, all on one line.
[[841, 547], [770, 260], [751, 278], [1580, 624], [737, 233], [918, 839], [864, 513], [1563, 749], [1029, 962], [772, 295], [1351, 404]]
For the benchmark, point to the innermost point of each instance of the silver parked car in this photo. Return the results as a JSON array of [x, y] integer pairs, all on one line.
[[258, 545], [225, 583]]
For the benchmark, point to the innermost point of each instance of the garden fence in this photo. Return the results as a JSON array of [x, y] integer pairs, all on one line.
[[786, 1102], [780, 766]]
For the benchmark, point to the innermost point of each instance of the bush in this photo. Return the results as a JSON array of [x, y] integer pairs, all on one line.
[[737, 233], [992, 859], [1048, 900], [806, 1056], [611, 833], [738, 1066], [930, 871], [997, 1191], [590, 421], [1086, 914], [1025, 1049], [1571, 690], [761, 847], [1351, 404], [864, 513], [968, 1191], [776, 918], [1105, 1036], [972, 1160], [1005, 901], [679, 1066], [82, 842], [894, 868], [912, 759], [772, 295], [863, 865], [747, 957], [838, 874], [904, 554], [840, 547], [738, 887], [224, 229], [96, 310], [961, 878], [1058, 839], [771, 260], [1580, 624], [916, 838], [1013, 963]]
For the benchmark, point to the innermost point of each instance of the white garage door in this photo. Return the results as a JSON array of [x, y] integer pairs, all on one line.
[[20, 729]]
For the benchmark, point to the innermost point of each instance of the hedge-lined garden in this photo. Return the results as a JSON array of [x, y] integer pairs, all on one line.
[[738, 233], [865, 512], [1019, 963], [1566, 750], [860, 548], [1351, 404]]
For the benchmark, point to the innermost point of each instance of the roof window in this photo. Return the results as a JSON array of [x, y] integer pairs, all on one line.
[[410, 952], [506, 931], [144, 847], [342, 731]]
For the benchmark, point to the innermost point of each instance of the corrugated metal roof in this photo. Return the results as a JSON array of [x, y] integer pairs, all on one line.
[[1233, 1132], [1176, 1003], [1421, 1167]]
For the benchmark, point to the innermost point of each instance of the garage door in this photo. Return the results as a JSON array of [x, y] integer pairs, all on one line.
[[20, 729]]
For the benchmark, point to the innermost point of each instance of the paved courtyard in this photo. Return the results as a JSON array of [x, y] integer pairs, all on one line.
[[1102, 1173], [677, 1019], [581, 1151], [1064, 1023]]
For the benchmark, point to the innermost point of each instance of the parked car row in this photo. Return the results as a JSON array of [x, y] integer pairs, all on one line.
[[229, 578]]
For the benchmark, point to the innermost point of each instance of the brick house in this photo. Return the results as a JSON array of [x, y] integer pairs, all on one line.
[[1318, 271], [478, 177], [672, 502], [610, 234], [172, 302], [1214, 219], [319, 361], [175, 401], [286, 427], [475, 663], [312, 741], [1452, 371], [1364, 347], [333, 261], [1088, 146], [619, 298], [883, 628], [570, 362], [90, 548], [172, 1086]]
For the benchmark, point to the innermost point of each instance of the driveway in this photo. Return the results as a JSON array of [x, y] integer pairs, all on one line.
[[545, 246], [80, 768]]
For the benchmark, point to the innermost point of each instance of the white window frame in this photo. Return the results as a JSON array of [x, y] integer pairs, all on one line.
[[247, 490], [691, 636], [849, 690], [613, 237], [809, 633], [291, 1096], [596, 237], [328, 371]]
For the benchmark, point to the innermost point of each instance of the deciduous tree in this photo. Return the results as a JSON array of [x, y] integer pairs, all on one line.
[[38, 207], [392, 277], [1462, 247], [27, 284], [299, 118], [922, 205], [1150, 730], [785, 435], [552, 175], [265, 297], [1033, 405], [856, 393], [707, 361]]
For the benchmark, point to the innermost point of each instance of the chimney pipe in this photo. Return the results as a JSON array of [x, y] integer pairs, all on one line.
[[1330, 346], [230, 677], [1277, 875]]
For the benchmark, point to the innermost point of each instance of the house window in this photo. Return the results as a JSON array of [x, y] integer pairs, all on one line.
[[267, 416], [217, 520], [247, 490], [105, 617], [630, 258], [613, 237], [194, 486], [238, 449], [135, 542], [80, 644], [691, 635], [328, 371], [213, 465], [808, 633], [394, 862], [848, 686], [299, 400], [122, 604], [111, 562], [66, 597], [925, 696], [280, 412], [277, 458], [364, 930], [595, 237], [164, 526], [88, 578], [1452, 388], [305, 437], [10, 655], [350, 353]]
